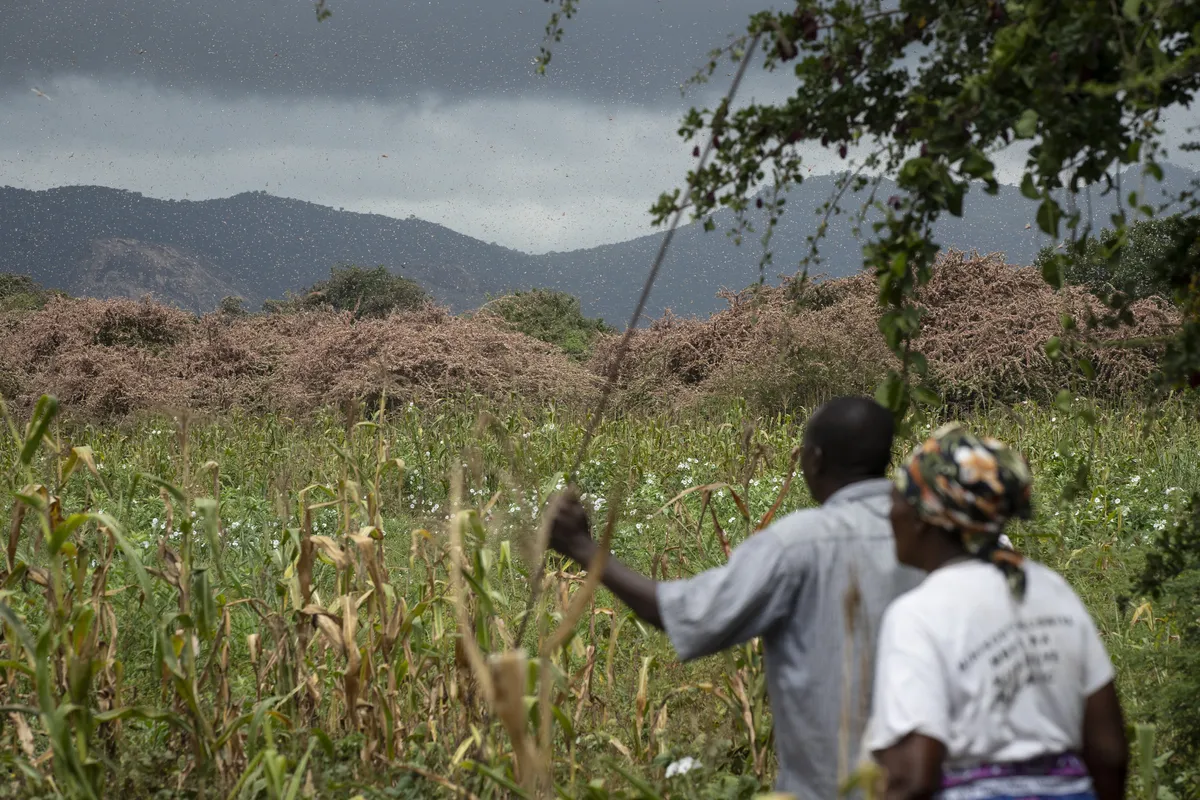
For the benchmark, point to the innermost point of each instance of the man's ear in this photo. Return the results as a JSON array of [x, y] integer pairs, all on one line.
[[816, 461]]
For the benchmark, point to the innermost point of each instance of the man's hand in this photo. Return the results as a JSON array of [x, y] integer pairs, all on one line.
[[570, 531], [571, 535]]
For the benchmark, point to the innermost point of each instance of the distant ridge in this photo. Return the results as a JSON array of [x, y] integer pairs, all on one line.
[[97, 241]]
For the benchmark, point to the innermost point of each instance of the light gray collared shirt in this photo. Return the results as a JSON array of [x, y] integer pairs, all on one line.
[[789, 584]]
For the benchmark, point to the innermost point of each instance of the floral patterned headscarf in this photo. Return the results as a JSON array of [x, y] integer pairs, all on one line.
[[972, 487]]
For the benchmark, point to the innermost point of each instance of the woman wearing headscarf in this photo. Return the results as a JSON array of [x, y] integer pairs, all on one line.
[[991, 680]]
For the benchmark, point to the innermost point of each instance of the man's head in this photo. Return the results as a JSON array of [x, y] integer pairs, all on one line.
[[849, 439]]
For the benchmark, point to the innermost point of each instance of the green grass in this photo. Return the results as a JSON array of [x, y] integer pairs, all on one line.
[[394, 474]]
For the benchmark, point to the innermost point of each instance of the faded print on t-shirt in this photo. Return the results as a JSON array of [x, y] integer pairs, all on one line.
[[993, 679]]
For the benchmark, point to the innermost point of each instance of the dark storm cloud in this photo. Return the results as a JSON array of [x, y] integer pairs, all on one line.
[[630, 51], [422, 107]]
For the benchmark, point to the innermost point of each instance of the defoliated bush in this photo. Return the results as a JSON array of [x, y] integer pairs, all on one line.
[[984, 329]]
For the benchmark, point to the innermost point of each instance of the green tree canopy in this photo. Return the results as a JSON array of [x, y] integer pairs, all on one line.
[[554, 317], [22, 293], [1136, 270], [365, 292]]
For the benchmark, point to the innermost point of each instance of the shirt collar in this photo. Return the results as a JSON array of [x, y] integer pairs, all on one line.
[[860, 490]]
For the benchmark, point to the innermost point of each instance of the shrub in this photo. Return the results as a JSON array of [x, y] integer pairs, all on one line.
[[985, 325], [367, 293], [110, 358], [553, 317], [22, 293], [1136, 272], [139, 324], [232, 306]]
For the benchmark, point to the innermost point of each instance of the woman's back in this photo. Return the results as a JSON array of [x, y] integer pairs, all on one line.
[[995, 679]]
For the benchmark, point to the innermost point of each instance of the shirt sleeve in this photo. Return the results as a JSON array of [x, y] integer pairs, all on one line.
[[911, 685], [732, 603]]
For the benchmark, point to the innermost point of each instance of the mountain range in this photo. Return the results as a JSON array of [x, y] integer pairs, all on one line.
[[102, 242]]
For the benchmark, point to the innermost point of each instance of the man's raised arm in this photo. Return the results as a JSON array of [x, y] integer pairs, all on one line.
[[570, 535]]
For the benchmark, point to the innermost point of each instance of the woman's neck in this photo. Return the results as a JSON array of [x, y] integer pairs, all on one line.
[[945, 554]]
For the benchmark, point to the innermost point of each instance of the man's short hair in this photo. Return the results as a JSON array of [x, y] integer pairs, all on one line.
[[855, 437]]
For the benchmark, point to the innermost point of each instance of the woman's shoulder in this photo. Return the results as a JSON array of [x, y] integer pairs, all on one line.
[[945, 591], [1043, 582]]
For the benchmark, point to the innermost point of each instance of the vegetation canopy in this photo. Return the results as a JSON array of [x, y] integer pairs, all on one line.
[[366, 293], [22, 293], [930, 92], [554, 317]]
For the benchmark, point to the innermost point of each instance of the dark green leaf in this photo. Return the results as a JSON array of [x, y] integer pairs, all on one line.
[[1026, 125], [1054, 347], [64, 529], [1048, 216], [174, 491], [11, 619], [1028, 187], [1052, 272], [43, 414]]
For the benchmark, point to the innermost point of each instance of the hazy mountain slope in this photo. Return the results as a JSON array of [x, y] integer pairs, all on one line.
[[130, 268], [260, 246], [609, 279]]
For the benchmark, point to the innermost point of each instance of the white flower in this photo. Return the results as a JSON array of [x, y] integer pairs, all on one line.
[[1160, 525], [682, 766], [154, 523], [1135, 480]]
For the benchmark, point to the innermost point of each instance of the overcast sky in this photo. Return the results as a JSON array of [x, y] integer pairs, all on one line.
[[207, 98]]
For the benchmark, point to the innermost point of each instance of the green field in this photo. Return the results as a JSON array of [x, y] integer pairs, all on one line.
[[210, 537]]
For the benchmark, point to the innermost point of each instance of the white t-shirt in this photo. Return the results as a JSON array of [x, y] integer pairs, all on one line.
[[961, 661]]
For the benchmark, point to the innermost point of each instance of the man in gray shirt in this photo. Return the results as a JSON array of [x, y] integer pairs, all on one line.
[[813, 585]]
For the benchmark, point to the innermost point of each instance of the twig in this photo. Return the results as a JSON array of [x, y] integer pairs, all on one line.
[[623, 348]]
